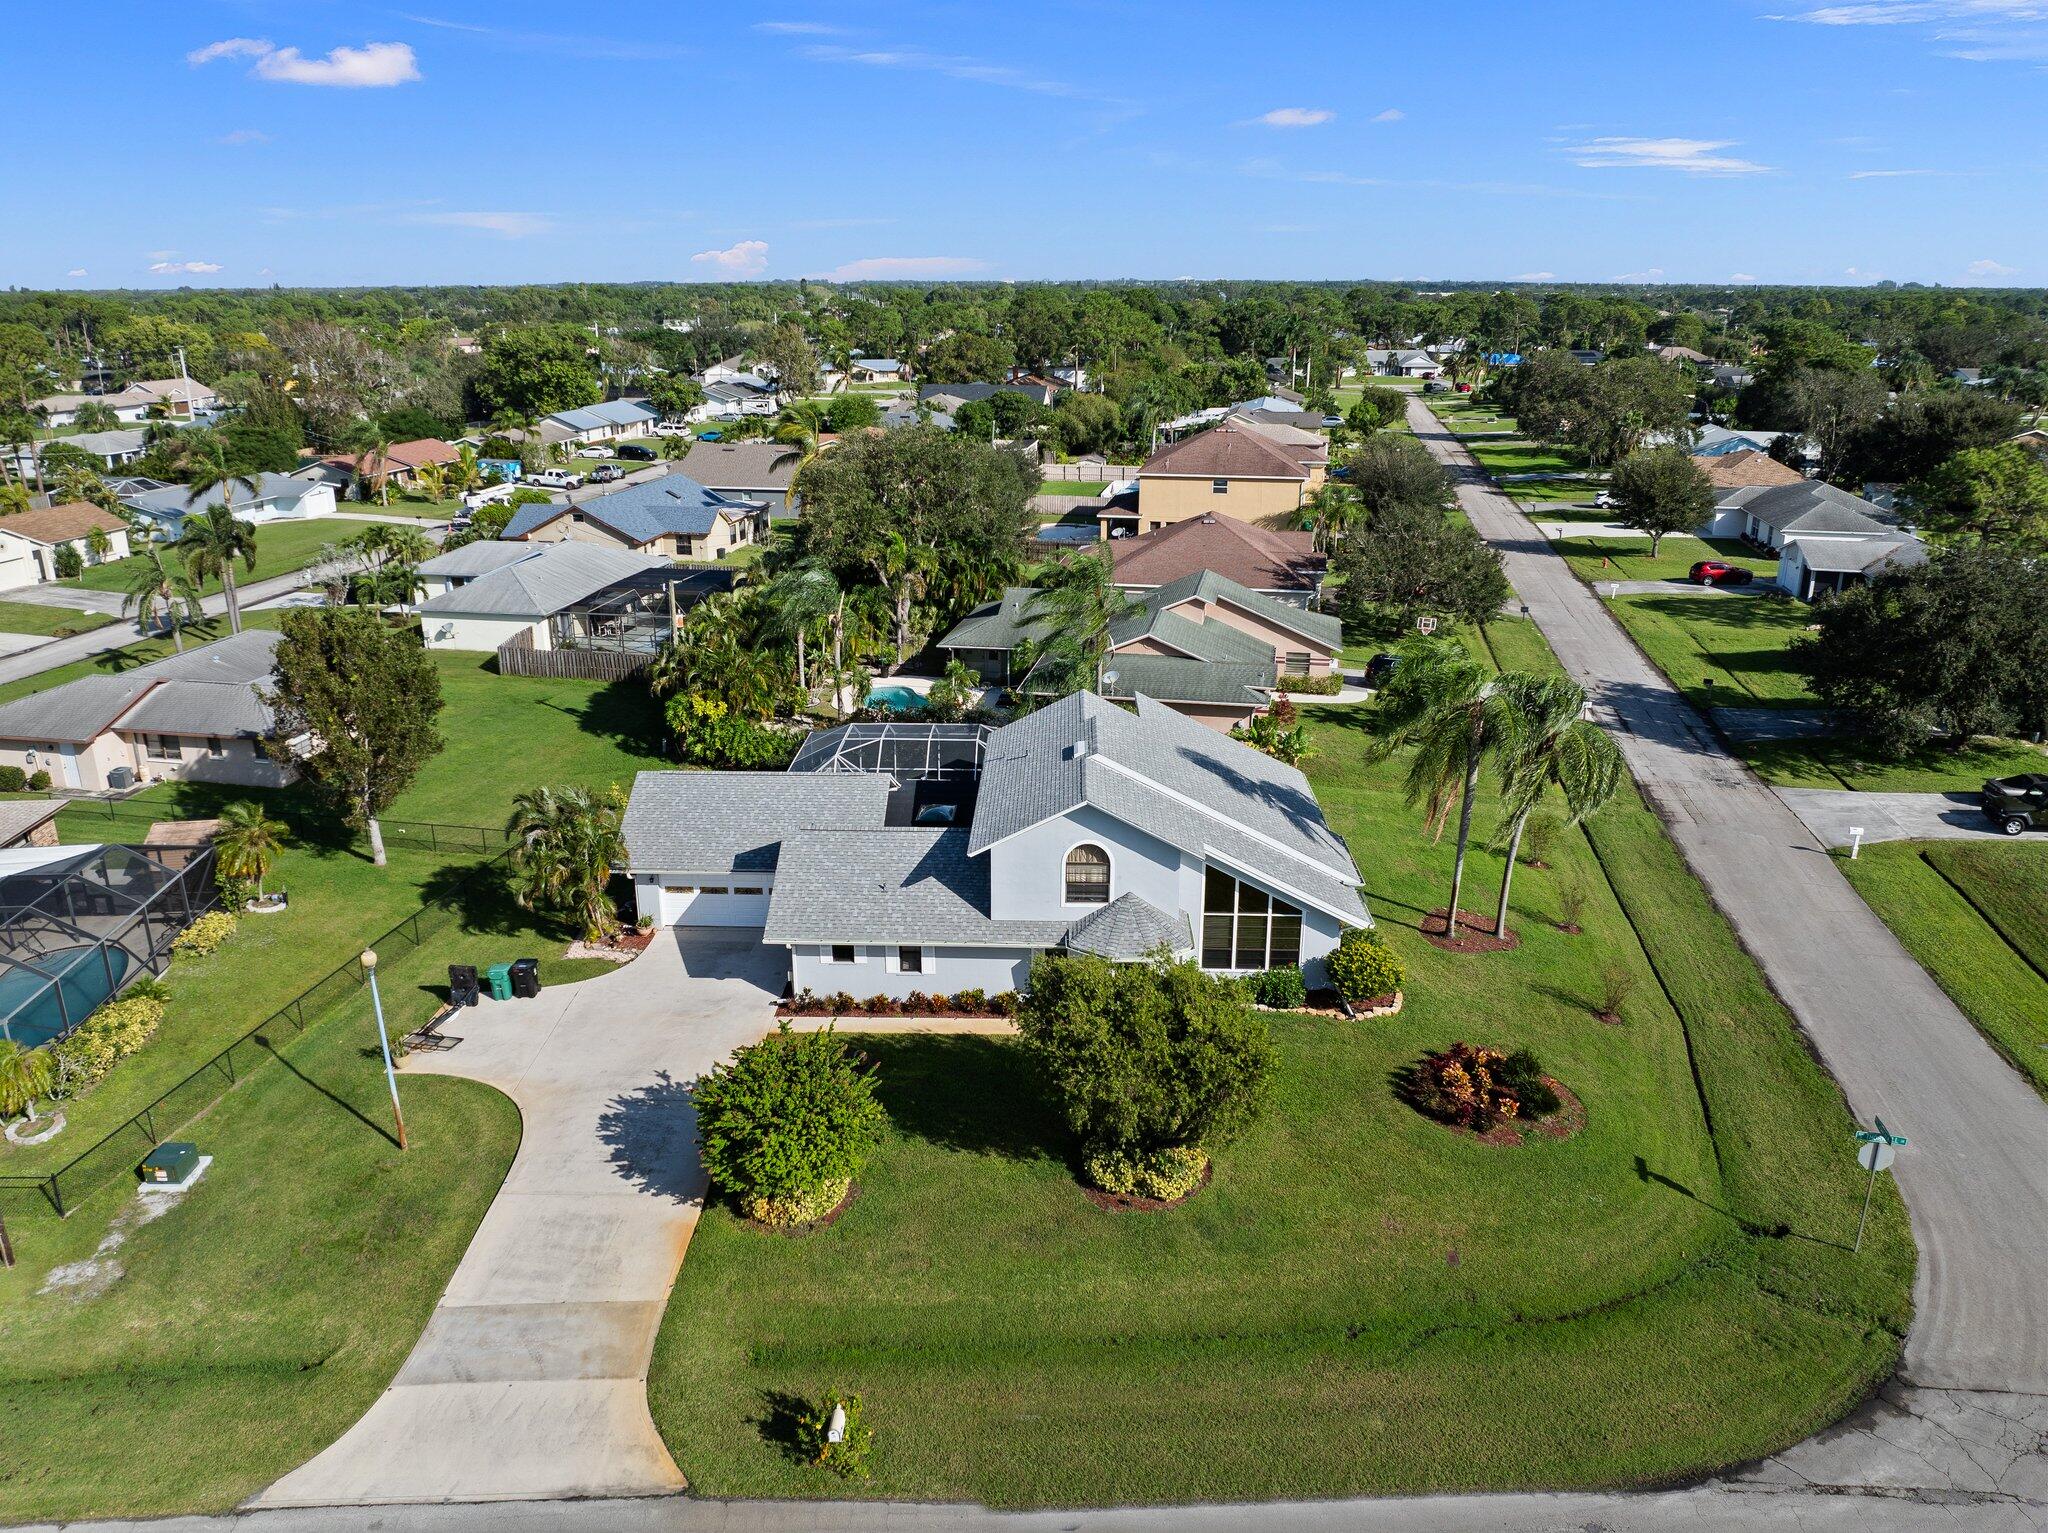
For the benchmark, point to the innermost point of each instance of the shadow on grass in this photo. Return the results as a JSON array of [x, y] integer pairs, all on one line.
[[343, 1103], [481, 896], [781, 1412], [1748, 1226], [965, 1092]]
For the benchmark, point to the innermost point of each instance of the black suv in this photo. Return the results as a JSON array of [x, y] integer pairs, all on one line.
[[637, 453], [2018, 803]]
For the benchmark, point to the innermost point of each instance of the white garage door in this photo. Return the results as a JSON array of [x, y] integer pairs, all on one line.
[[714, 904]]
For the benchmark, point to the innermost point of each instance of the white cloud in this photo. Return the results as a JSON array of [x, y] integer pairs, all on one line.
[[1981, 31], [1888, 175], [1694, 156], [373, 64], [1742, 276], [1989, 268], [894, 268], [244, 136], [161, 255], [266, 272], [1296, 117], [1654, 274], [513, 226], [182, 268], [800, 28], [1391, 114], [1857, 274], [76, 271], [749, 258], [956, 67], [1537, 276]]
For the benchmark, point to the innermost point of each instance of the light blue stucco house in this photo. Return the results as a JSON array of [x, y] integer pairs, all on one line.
[[901, 857]]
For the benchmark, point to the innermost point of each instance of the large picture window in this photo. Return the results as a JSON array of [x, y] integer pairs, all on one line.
[[1087, 876], [1246, 928]]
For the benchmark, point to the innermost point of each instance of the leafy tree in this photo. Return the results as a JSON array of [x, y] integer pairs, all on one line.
[[854, 412], [1629, 401], [248, 843], [976, 418], [728, 649], [68, 563], [1660, 490], [787, 1126], [1085, 423], [674, 395], [1409, 560], [1919, 432], [964, 357], [790, 354], [365, 696], [536, 370], [1830, 408], [1550, 746], [1144, 1058], [566, 844], [1955, 646], [1390, 470], [154, 586], [1986, 495], [257, 449], [212, 541], [1377, 408], [410, 423], [1080, 603]]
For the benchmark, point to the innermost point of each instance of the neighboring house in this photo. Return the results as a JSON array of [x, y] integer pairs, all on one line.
[[278, 497], [1727, 378], [114, 449], [29, 821], [553, 596], [1208, 646], [1682, 354], [1228, 469], [950, 396], [730, 398], [1282, 564], [1403, 362], [1587, 356], [2035, 440], [607, 421], [29, 540], [724, 372], [1969, 377], [1745, 466], [876, 370], [198, 716], [1825, 539], [673, 515], [1079, 828], [162, 398], [399, 466], [754, 471], [1715, 440], [1307, 446]]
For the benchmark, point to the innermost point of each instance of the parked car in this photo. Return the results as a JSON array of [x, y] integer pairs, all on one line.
[[556, 479], [672, 428], [1436, 386], [637, 453], [1464, 388], [1332, 422], [605, 473], [593, 451], [1714, 572], [2015, 804], [1380, 669]]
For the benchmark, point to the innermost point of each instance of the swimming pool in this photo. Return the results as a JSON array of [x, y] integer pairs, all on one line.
[[29, 1001], [896, 698]]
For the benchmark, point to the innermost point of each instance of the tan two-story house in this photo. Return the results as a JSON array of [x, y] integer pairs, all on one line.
[[1229, 470]]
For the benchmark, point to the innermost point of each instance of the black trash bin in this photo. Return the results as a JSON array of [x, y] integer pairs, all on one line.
[[526, 977], [462, 986]]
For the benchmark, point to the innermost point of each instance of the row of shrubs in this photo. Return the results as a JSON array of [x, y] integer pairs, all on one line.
[[1327, 685], [14, 780], [86, 1056], [205, 935], [962, 1003]]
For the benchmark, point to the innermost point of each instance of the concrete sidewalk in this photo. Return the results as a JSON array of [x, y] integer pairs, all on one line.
[[1830, 812], [530, 1381]]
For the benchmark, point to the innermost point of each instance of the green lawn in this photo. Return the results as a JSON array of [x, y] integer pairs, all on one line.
[[1600, 559], [128, 656], [1972, 914], [1849, 763], [1561, 500], [52, 622], [281, 547], [1519, 456], [1089, 487], [1360, 1301], [1722, 650]]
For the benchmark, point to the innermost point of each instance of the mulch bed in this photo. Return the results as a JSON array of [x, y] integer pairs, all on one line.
[[1117, 1203], [1474, 934], [824, 1221], [1324, 1003], [1569, 1118]]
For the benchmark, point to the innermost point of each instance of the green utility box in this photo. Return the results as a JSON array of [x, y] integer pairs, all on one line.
[[498, 981], [172, 1161]]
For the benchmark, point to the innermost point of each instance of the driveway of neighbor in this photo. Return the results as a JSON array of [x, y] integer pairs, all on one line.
[[1829, 812], [530, 1380]]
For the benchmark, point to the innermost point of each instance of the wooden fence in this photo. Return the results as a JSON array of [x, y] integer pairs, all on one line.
[[522, 659]]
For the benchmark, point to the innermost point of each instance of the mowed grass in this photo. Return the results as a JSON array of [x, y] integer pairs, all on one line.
[[1722, 650], [281, 548], [1088, 487], [1601, 559], [1847, 762], [50, 622], [1518, 456], [112, 662], [1360, 1301], [1974, 915], [1555, 500]]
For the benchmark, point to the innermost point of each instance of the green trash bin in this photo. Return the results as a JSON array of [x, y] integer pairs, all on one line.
[[171, 1161], [498, 981]]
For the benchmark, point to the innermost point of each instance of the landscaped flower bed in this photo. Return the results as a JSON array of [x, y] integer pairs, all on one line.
[[1494, 1095], [963, 1005]]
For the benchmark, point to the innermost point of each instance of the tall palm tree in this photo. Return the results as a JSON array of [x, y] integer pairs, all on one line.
[[155, 586], [206, 462], [211, 543], [1081, 602], [1446, 707], [1330, 512], [465, 473], [568, 843], [25, 1074], [904, 570], [247, 844], [802, 597], [1550, 745]]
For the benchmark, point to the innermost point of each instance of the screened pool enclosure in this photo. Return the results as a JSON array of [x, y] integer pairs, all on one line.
[[78, 923]]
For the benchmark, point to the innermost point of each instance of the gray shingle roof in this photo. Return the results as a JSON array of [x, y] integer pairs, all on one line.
[[478, 558], [208, 690], [554, 577], [743, 465], [714, 822], [673, 505], [1206, 586], [1128, 928], [914, 885], [1195, 638], [1855, 555], [177, 499], [20, 816], [1809, 506], [1190, 786], [612, 412]]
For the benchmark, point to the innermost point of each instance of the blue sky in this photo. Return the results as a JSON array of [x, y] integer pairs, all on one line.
[[240, 142]]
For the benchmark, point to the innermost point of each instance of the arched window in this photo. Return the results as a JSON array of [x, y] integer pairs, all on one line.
[[1087, 876]]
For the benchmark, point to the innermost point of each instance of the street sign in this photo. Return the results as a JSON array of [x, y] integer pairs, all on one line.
[[1425, 625], [1876, 1149], [1876, 1156]]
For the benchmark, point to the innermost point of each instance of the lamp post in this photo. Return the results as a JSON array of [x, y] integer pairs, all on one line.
[[369, 963]]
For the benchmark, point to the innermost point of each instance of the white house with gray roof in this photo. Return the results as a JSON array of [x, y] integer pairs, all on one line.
[[1825, 538], [900, 857], [486, 594]]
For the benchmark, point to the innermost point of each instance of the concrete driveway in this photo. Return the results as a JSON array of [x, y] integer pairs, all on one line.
[[1829, 812], [531, 1378]]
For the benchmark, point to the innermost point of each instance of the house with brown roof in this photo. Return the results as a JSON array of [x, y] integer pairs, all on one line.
[[1278, 562], [29, 540], [1732, 470], [399, 465], [1309, 448], [1229, 470], [753, 470]]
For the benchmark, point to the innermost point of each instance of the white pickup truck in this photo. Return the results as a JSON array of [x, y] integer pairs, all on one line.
[[556, 479]]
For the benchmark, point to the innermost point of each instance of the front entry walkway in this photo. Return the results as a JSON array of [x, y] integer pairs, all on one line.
[[531, 1378]]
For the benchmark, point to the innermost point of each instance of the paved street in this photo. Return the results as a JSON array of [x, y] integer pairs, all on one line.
[[1975, 1178], [1829, 812], [530, 1381]]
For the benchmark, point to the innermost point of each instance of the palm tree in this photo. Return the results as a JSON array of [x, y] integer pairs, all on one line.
[[904, 569], [431, 479], [568, 841], [154, 585], [1550, 744], [1331, 512], [801, 597], [206, 461], [465, 473], [25, 1074], [1446, 706], [98, 544], [1081, 602], [247, 844], [211, 543]]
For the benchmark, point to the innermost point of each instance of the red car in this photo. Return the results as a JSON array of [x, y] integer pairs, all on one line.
[[1713, 572]]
